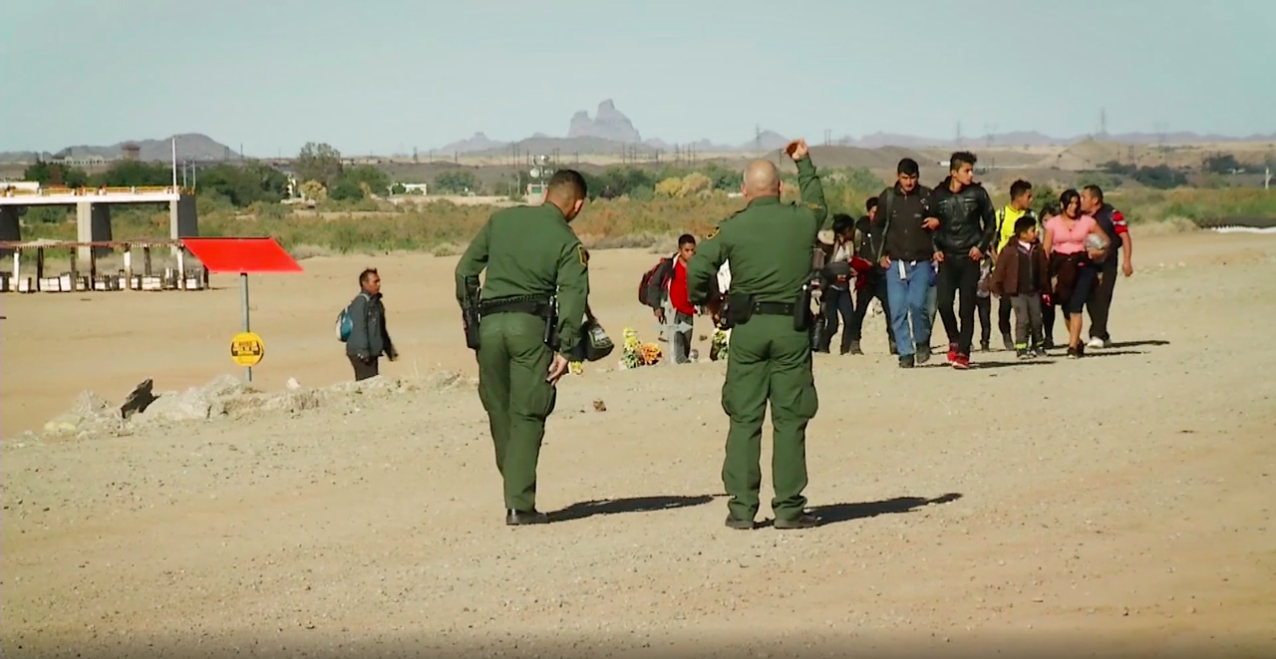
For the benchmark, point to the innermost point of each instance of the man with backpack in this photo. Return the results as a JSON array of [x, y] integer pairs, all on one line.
[[368, 338], [664, 289], [1007, 217]]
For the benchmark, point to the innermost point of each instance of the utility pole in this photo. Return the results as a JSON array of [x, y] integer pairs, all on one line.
[[828, 137], [1103, 123], [1160, 139], [757, 137], [958, 133]]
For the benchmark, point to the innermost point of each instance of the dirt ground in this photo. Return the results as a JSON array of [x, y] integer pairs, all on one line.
[[1117, 503]]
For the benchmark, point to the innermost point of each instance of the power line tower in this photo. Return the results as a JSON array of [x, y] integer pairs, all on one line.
[[959, 133], [828, 137], [1103, 123], [990, 134], [757, 137]]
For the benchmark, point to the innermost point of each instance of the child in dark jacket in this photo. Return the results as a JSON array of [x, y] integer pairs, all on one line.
[[1022, 273]]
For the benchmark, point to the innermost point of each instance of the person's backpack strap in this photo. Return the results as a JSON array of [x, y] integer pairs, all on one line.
[[886, 222]]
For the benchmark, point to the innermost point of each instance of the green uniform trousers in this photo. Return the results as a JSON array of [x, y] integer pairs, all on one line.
[[768, 361], [513, 362]]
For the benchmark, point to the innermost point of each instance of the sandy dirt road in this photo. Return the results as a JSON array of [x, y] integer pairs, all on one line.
[[1123, 501]]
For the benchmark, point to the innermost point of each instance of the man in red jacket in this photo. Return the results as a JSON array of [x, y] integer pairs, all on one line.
[[684, 313]]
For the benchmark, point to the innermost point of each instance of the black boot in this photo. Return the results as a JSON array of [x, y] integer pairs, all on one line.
[[523, 518], [923, 353]]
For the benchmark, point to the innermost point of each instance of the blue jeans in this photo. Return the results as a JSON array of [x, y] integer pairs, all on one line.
[[908, 296]]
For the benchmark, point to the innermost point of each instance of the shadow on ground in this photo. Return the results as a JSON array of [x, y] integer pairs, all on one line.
[[847, 512], [1038, 361], [1139, 344], [1090, 354], [586, 509]]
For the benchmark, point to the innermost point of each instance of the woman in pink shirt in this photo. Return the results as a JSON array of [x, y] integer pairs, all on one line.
[[1072, 263]]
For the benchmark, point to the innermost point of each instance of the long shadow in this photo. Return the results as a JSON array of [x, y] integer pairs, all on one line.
[[1139, 344], [586, 509], [847, 512], [979, 366], [1112, 353]]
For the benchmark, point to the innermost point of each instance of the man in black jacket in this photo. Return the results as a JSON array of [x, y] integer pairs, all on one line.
[[905, 257], [964, 233], [368, 338]]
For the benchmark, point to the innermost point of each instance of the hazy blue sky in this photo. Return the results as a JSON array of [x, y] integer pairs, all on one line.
[[387, 75]]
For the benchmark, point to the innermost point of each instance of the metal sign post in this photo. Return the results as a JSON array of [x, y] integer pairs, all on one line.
[[243, 256], [243, 312]]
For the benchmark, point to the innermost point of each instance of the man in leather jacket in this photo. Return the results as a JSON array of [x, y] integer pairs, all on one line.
[[965, 223]]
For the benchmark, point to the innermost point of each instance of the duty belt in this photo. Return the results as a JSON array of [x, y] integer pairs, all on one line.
[[536, 305], [773, 308]]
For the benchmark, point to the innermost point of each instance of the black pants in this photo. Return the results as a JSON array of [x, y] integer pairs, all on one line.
[[362, 370], [1003, 315], [1100, 303], [984, 306], [1047, 323], [874, 288], [835, 302], [958, 281]]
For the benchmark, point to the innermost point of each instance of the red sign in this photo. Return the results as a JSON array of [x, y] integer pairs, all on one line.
[[241, 255]]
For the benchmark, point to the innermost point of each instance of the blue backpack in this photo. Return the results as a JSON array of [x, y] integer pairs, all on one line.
[[344, 324]]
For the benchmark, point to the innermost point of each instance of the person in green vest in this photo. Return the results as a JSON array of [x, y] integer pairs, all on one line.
[[1019, 206], [770, 246], [531, 255]]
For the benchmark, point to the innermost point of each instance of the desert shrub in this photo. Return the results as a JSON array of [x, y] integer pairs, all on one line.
[[445, 228]]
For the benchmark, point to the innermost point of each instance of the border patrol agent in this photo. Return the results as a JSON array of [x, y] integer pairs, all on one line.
[[769, 245], [532, 307]]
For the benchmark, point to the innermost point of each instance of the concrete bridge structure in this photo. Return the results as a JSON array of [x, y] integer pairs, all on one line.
[[93, 211]]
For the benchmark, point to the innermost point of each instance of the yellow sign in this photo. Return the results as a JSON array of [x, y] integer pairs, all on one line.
[[247, 349]]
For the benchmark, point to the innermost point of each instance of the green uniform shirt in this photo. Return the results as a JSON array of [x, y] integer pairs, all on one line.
[[530, 250], [769, 245]]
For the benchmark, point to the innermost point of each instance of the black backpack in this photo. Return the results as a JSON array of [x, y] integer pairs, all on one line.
[[651, 290]]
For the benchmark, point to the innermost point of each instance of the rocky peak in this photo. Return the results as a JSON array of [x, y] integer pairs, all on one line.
[[608, 124]]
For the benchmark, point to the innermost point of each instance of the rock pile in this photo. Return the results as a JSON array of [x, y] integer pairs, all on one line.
[[225, 397]]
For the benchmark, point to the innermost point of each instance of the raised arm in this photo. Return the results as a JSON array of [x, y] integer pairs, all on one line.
[[472, 263], [573, 293], [812, 190]]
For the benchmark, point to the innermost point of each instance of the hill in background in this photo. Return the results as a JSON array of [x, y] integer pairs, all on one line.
[[610, 132]]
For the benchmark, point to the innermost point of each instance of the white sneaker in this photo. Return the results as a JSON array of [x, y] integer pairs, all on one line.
[[1097, 343]]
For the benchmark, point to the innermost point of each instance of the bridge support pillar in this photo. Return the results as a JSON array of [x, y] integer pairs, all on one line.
[[10, 227], [92, 224], [183, 220]]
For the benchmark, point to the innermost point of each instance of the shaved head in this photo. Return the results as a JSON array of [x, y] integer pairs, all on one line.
[[761, 179]]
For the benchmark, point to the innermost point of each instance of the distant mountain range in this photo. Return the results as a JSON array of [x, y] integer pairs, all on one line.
[[609, 131], [190, 146]]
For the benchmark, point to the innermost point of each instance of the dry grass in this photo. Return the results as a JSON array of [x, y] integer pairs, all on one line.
[[444, 228]]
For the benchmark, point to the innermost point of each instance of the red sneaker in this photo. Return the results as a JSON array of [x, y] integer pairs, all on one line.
[[961, 361], [952, 354]]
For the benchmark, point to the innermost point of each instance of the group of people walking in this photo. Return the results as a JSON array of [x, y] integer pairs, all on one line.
[[921, 251]]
